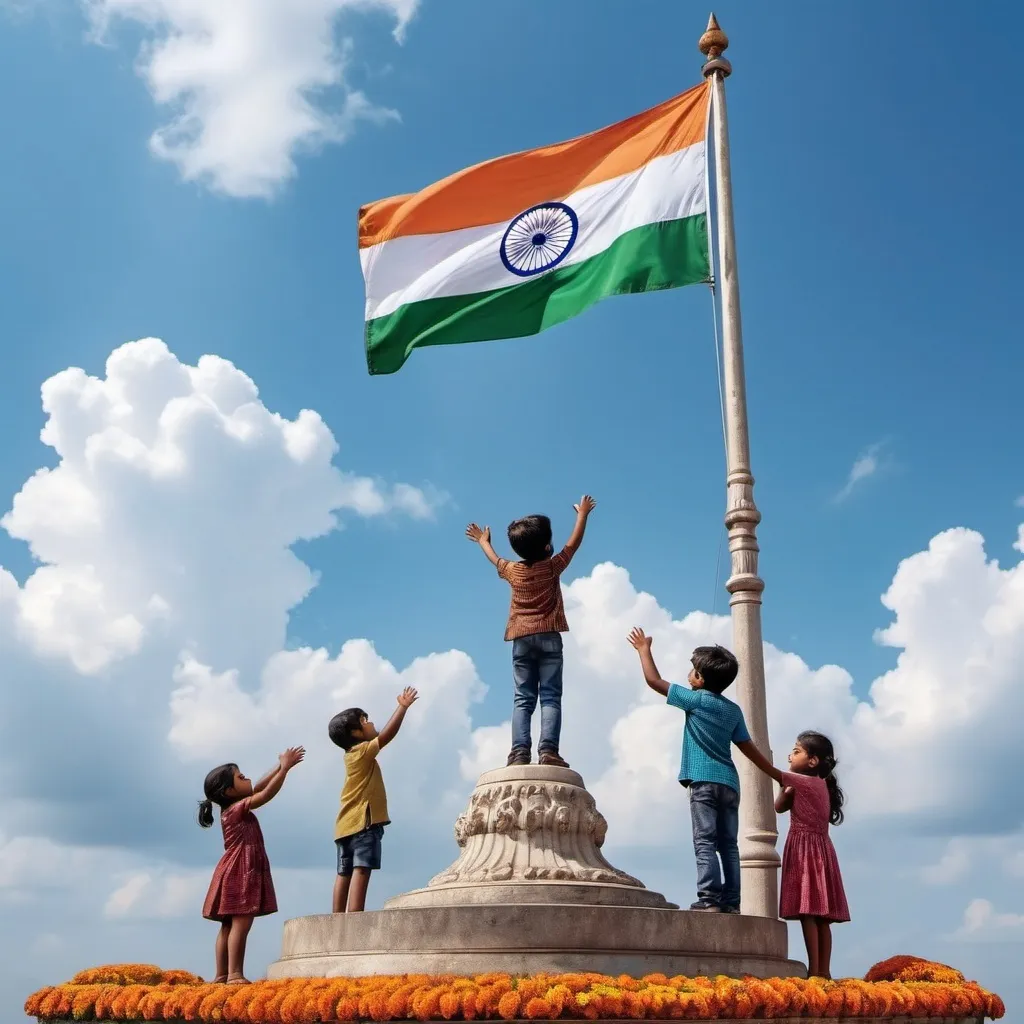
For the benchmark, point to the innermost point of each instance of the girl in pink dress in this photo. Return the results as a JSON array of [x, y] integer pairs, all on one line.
[[812, 887], [241, 888]]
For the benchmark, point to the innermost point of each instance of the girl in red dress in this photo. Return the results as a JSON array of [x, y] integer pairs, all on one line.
[[812, 887], [242, 887]]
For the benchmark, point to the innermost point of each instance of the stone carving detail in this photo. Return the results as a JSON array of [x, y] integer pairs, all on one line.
[[531, 829]]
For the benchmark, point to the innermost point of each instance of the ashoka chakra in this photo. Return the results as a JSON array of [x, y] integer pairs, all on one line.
[[539, 239]]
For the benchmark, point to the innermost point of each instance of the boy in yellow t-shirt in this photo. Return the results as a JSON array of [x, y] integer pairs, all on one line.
[[364, 804]]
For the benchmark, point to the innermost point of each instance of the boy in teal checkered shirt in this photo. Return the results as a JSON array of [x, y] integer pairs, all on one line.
[[713, 724]]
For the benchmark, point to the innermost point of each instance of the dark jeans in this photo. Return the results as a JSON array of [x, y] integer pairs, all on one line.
[[537, 671], [715, 813]]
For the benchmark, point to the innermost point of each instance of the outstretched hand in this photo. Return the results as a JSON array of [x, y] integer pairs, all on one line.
[[478, 534], [586, 505], [407, 697], [291, 757], [639, 639]]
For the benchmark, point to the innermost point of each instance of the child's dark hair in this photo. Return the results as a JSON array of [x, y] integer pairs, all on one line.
[[530, 537], [217, 783], [343, 724], [717, 667], [820, 746]]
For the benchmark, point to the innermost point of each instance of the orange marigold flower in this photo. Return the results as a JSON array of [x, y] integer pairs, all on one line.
[[398, 1002], [424, 1002], [119, 974], [83, 1001], [489, 979], [538, 1009], [291, 1008], [468, 1006], [449, 1003], [346, 1009], [654, 979], [634, 1006], [508, 1006], [375, 1005], [34, 1001], [526, 989]]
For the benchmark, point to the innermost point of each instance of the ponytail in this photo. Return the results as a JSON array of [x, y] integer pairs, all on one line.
[[836, 798], [215, 787], [205, 815], [820, 746]]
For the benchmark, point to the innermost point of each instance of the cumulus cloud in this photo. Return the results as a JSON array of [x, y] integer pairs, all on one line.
[[983, 923], [250, 84], [174, 483], [149, 895], [953, 865], [866, 465]]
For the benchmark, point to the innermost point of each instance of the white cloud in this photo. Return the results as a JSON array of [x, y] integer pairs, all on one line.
[[164, 466], [250, 84], [951, 866], [866, 465], [147, 895], [983, 923]]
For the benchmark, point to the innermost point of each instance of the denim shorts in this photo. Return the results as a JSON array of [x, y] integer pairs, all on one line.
[[361, 850]]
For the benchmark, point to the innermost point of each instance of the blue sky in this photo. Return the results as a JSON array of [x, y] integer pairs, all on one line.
[[876, 177]]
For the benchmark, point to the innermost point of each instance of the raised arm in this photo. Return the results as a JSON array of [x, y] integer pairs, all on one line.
[[258, 787], [482, 536], [274, 780], [394, 723], [583, 510], [652, 677], [760, 761]]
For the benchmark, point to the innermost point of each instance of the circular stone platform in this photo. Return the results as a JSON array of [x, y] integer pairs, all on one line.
[[531, 892]]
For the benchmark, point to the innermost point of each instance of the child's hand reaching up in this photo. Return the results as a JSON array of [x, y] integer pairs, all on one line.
[[407, 697], [478, 534], [640, 640], [586, 505], [291, 757]]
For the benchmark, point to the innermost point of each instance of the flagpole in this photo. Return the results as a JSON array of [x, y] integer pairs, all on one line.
[[759, 859]]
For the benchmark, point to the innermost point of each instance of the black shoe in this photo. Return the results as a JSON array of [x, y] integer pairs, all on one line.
[[703, 907], [551, 758], [730, 909], [519, 755]]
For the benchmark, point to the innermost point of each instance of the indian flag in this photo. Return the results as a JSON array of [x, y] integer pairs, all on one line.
[[517, 244]]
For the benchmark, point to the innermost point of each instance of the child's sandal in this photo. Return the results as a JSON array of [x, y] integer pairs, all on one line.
[[238, 980]]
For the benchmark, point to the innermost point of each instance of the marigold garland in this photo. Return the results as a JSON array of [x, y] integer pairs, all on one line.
[[903, 986]]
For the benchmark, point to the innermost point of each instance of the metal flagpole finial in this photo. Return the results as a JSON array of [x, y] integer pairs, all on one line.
[[713, 44]]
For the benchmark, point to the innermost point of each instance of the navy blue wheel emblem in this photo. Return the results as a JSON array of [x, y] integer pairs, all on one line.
[[539, 239]]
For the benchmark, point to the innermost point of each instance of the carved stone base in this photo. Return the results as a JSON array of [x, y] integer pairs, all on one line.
[[531, 834]]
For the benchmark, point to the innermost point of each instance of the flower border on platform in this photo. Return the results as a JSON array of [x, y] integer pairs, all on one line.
[[142, 992]]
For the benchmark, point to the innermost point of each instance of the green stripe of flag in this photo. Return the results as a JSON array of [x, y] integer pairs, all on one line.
[[669, 254]]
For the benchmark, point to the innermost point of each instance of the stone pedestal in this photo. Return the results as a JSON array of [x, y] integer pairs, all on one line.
[[531, 891]]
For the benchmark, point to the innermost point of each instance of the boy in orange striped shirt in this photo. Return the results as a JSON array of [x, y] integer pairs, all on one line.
[[536, 622]]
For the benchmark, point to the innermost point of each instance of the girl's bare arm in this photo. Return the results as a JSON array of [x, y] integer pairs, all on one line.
[[265, 781], [288, 760], [784, 801]]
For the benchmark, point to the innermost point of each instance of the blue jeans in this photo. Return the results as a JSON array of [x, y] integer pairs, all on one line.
[[715, 814], [537, 672]]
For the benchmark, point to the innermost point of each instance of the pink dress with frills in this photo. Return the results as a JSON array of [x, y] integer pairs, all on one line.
[[811, 883]]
